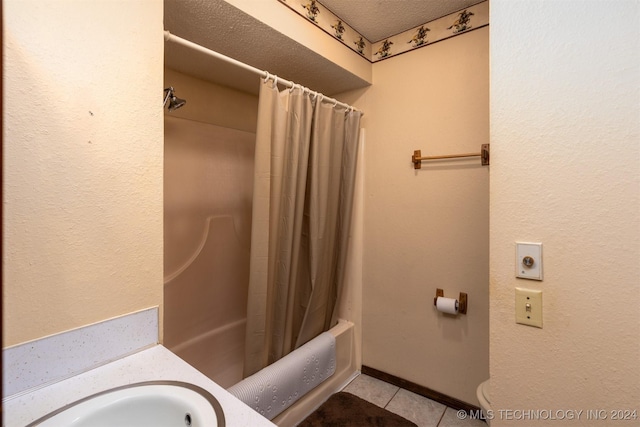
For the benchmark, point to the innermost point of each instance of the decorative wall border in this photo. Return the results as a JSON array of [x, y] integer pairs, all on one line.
[[331, 24], [470, 18]]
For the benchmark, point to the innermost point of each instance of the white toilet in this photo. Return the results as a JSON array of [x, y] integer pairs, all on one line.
[[482, 393]]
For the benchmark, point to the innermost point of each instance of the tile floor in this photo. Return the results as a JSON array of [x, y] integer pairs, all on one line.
[[422, 411]]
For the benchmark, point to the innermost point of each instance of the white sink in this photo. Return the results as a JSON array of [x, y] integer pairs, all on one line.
[[148, 404]]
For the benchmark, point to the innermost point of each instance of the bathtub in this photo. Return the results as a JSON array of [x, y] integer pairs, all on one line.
[[346, 370], [224, 365], [219, 354]]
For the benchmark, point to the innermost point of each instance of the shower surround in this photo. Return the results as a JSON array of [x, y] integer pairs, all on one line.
[[208, 189]]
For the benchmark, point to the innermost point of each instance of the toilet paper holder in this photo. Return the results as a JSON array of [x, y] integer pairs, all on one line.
[[462, 300]]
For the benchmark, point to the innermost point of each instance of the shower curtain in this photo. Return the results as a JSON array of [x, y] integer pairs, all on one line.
[[305, 163]]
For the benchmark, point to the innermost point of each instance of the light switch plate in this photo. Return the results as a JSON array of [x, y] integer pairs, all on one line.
[[529, 260], [529, 307]]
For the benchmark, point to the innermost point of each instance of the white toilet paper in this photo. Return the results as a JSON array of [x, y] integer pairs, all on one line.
[[447, 305]]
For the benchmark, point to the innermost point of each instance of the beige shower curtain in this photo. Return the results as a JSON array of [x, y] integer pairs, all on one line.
[[305, 163]]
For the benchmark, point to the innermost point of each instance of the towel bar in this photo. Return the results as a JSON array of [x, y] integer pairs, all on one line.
[[417, 157]]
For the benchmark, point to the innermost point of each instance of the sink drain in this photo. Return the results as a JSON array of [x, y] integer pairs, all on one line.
[[187, 419]]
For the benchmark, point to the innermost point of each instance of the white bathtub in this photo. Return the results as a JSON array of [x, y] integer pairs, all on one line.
[[219, 355], [346, 370]]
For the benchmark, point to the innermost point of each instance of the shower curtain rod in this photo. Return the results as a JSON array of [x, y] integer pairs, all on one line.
[[264, 74]]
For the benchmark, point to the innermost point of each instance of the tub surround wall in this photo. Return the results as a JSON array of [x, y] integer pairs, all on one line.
[[82, 182], [208, 182], [565, 124]]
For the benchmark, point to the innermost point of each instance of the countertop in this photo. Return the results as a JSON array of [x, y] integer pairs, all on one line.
[[155, 363]]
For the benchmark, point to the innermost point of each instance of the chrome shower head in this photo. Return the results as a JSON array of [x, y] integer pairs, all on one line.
[[174, 101]]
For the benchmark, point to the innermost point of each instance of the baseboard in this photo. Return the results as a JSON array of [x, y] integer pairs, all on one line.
[[421, 390]]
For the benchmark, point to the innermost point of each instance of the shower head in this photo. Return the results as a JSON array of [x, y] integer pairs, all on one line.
[[174, 101]]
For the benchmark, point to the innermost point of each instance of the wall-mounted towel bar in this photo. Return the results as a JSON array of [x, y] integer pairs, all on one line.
[[483, 154]]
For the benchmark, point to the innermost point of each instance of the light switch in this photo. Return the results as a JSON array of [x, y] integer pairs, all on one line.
[[529, 260], [529, 307]]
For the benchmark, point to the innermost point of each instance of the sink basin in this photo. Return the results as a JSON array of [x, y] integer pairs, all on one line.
[[147, 404]]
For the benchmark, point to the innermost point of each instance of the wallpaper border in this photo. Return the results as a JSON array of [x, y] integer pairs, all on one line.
[[454, 24]]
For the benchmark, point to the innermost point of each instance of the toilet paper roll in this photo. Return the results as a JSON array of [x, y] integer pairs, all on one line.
[[447, 305]]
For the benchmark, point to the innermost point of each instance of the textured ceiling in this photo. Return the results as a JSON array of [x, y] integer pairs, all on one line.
[[219, 26], [378, 19]]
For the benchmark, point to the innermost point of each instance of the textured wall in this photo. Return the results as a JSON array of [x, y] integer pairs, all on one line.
[[428, 229], [82, 163], [565, 171]]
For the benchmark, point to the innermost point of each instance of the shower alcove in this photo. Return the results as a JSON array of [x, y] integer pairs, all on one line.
[[209, 167]]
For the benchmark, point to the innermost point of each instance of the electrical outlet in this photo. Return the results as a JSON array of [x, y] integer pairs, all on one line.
[[529, 260], [529, 307]]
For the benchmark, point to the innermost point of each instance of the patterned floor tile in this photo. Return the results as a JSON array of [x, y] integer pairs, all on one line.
[[422, 411], [372, 390]]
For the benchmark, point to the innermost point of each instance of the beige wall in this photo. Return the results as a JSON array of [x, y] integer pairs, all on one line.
[[427, 229], [82, 163], [565, 126]]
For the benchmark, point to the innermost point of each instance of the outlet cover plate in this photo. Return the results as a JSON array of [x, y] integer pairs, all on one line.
[[529, 307], [532, 252]]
